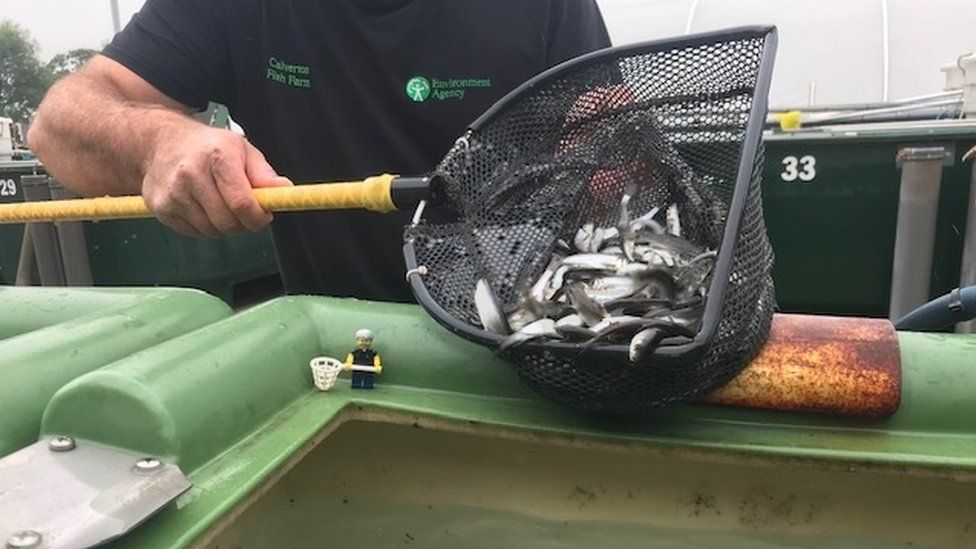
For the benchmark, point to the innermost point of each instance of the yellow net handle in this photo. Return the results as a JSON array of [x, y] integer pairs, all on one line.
[[372, 194]]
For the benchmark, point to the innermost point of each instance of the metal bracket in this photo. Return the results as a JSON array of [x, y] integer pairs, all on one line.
[[63, 492], [955, 300], [420, 271], [418, 214], [920, 154]]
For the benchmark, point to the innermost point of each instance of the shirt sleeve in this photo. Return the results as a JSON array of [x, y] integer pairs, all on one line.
[[575, 27], [180, 47]]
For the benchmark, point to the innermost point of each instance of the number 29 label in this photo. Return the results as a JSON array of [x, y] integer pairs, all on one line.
[[8, 187], [804, 169]]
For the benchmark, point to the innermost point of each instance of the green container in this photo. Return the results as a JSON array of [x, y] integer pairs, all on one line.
[[831, 205], [143, 252], [11, 192], [450, 449], [50, 336]]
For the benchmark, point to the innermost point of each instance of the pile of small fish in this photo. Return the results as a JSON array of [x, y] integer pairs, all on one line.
[[636, 283]]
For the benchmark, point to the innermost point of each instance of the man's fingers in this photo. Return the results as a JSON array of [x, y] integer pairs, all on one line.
[[178, 225], [194, 215], [179, 211], [228, 170], [212, 202], [195, 224], [259, 172], [199, 183]]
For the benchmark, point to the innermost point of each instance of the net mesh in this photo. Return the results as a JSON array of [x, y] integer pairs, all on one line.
[[561, 154]]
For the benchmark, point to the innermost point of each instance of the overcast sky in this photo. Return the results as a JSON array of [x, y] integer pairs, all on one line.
[[61, 25]]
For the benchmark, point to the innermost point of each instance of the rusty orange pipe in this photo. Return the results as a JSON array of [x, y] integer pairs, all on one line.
[[835, 365]]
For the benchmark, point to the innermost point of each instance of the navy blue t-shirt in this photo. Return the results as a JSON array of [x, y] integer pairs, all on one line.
[[334, 90]]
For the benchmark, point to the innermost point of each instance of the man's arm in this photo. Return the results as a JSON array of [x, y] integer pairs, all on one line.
[[105, 130]]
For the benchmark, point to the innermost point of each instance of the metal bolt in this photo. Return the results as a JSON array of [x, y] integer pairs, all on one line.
[[24, 538], [61, 443], [148, 465]]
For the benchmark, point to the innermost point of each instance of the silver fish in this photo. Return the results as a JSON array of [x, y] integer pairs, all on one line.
[[660, 283], [523, 316], [590, 239], [627, 234], [638, 306], [707, 257], [538, 290], [601, 237], [631, 326], [552, 308], [609, 288], [635, 283], [642, 342], [489, 312], [689, 318], [574, 320], [583, 262], [693, 279], [545, 327], [588, 309], [584, 237], [673, 244], [632, 269], [646, 222], [612, 321], [577, 333], [655, 256], [670, 249], [593, 261], [565, 275], [673, 220]]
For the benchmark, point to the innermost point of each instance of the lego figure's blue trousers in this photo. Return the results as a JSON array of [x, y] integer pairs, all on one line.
[[362, 380]]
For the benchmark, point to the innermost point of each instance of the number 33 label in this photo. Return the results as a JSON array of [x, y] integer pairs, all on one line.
[[8, 187], [805, 168]]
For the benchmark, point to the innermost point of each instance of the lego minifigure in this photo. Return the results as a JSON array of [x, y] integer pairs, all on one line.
[[363, 361]]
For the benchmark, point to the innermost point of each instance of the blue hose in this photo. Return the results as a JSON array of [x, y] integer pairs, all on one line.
[[959, 305]]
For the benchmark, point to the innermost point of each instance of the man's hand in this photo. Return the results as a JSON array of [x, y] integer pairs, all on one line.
[[199, 182], [105, 130]]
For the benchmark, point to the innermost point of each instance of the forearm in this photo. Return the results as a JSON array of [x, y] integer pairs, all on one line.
[[95, 141], [105, 130]]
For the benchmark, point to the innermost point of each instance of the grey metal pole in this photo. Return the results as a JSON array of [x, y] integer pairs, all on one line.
[[25, 264], [918, 207], [46, 249], [967, 276], [116, 21], [74, 247]]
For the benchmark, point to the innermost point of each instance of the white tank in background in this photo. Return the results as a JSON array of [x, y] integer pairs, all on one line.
[[852, 53], [6, 139], [961, 75]]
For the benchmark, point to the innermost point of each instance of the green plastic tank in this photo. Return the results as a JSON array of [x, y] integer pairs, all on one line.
[[831, 204], [450, 449], [11, 191], [143, 252], [50, 336]]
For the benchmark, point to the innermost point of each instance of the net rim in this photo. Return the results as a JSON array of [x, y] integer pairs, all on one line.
[[766, 32]]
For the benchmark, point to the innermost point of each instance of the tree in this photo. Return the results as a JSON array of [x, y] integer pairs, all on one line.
[[23, 79], [66, 63]]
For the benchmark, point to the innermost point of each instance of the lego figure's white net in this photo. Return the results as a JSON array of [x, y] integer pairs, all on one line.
[[325, 370]]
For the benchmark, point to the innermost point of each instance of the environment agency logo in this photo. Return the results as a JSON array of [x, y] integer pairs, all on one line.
[[418, 89]]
